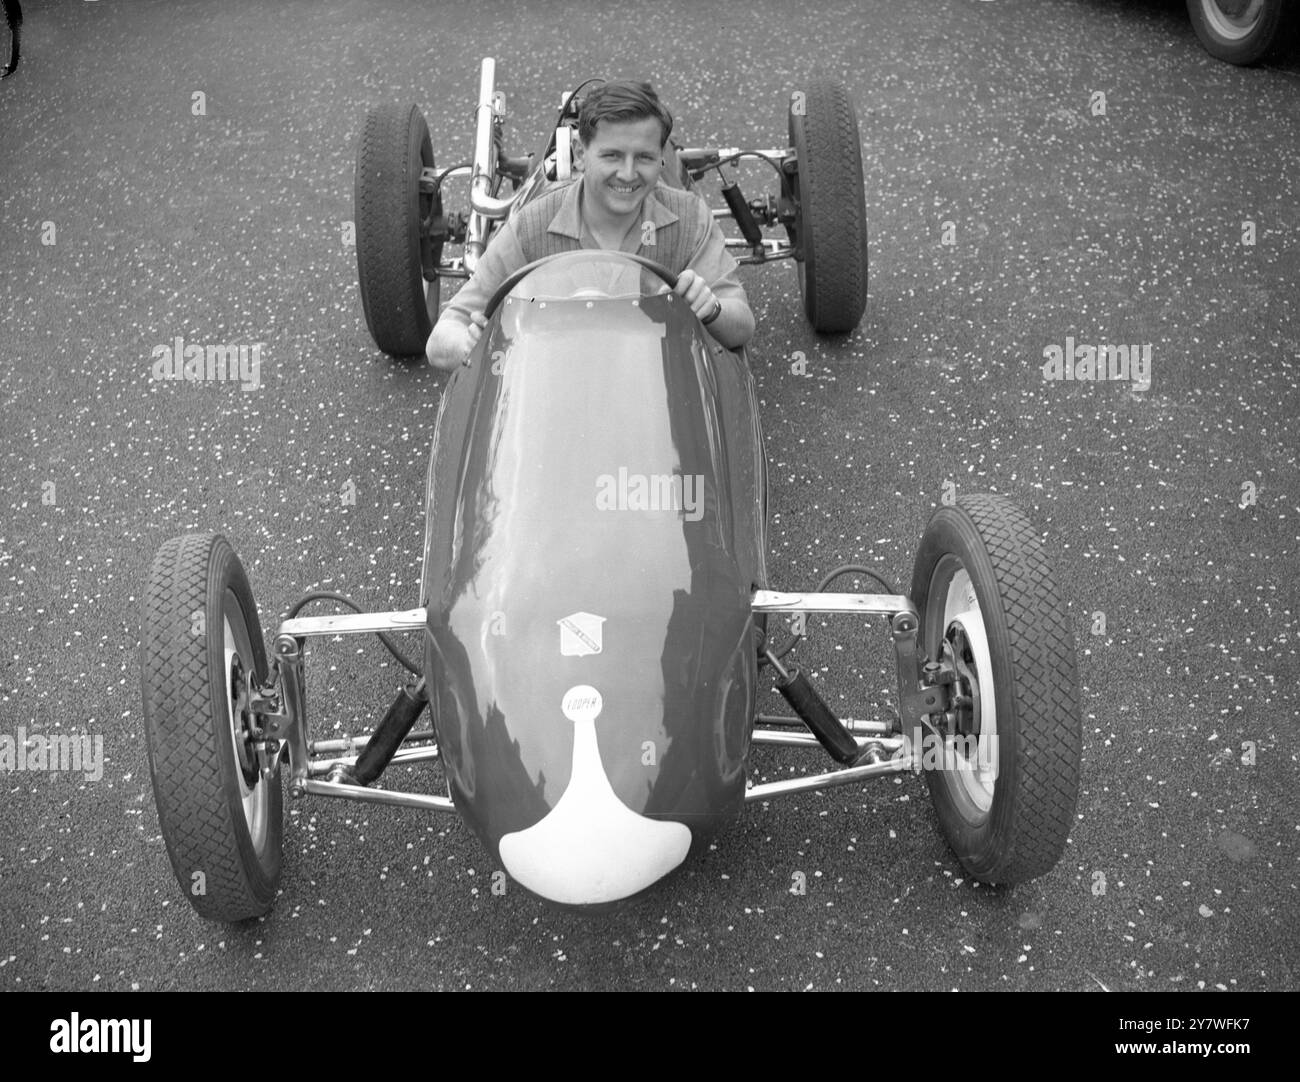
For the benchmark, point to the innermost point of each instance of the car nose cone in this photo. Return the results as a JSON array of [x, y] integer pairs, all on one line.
[[591, 848]]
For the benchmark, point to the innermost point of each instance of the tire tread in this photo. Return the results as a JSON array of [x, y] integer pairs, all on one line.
[[388, 253], [185, 762], [1045, 689], [834, 211]]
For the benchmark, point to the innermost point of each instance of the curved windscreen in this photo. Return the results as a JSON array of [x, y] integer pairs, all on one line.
[[587, 275]]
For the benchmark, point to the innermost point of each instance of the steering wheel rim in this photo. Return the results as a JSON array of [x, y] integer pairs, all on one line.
[[505, 287]]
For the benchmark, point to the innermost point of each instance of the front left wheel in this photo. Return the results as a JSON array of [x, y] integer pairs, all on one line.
[[1005, 781], [201, 654]]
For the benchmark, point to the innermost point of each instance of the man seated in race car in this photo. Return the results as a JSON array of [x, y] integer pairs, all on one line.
[[618, 204]]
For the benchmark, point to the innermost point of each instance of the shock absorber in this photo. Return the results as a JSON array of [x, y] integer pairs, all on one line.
[[741, 212], [386, 739], [813, 711]]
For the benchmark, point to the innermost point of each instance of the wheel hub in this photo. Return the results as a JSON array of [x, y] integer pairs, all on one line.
[[970, 740], [242, 721], [254, 794], [1233, 18], [963, 715]]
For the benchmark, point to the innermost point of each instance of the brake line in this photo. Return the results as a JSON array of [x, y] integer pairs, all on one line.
[[329, 595], [843, 569]]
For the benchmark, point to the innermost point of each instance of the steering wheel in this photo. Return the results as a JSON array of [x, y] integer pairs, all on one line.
[[505, 287]]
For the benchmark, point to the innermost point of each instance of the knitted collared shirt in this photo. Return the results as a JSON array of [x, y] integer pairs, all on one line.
[[684, 235]]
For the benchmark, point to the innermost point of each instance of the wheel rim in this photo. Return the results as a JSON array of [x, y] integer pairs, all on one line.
[[254, 794], [973, 781], [1233, 19], [428, 209], [431, 304], [800, 237]]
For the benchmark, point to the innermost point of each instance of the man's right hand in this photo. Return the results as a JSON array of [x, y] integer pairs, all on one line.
[[451, 342]]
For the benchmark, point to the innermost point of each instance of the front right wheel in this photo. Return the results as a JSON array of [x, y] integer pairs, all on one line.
[[201, 655], [1005, 781]]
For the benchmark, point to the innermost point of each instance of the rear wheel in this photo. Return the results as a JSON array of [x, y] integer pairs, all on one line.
[[1005, 790], [1238, 31], [830, 227], [201, 654], [397, 254]]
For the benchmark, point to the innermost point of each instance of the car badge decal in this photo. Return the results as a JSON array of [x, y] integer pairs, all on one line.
[[580, 634], [582, 703]]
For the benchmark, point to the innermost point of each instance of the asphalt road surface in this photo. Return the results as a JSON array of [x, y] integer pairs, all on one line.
[[1009, 208]]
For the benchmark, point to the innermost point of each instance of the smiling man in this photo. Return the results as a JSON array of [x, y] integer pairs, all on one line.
[[619, 204]]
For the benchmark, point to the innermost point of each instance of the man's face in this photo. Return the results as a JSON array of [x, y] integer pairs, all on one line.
[[622, 163]]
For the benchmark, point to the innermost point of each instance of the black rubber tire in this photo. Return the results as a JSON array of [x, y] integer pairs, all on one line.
[[1237, 34], [196, 583], [389, 209], [1036, 688], [830, 206], [11, 38]]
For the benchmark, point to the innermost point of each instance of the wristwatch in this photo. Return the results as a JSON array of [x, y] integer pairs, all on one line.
[[717, 311]]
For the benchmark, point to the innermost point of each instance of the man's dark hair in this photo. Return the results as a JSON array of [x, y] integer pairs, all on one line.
[[621, 100]]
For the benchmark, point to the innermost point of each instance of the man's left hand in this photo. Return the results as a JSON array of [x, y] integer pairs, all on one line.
[[695, 292]]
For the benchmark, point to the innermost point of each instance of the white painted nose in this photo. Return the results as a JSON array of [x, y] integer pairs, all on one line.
[[591, 847]]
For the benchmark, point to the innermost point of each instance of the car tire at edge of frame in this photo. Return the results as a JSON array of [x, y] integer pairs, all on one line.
[[1239, 40]]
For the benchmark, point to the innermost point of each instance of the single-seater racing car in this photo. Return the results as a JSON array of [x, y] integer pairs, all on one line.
[[595, 619]]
